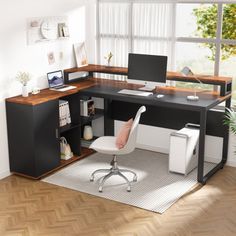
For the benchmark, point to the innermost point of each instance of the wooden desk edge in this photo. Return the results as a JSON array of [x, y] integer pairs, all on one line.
[[48, 95]]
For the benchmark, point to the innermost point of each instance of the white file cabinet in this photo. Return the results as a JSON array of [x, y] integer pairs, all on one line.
[[183, 156]]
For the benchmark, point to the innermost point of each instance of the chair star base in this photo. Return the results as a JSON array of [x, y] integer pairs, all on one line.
[[114, 170]]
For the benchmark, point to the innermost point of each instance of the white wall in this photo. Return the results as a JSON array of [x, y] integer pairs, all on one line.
[[16, 55]]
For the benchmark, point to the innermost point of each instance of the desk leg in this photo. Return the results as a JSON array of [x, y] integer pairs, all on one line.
[[201, 178], [226, 137], [108, 121], [201, 153]]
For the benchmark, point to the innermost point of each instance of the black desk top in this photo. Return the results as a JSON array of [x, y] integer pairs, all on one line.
[[171, 99]]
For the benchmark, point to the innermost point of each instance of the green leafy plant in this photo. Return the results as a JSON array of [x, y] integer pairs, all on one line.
[[206, 19], [23, 77], [230, 120]]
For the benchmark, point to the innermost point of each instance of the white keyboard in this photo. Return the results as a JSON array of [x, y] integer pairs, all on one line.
[[135, 92], [64, 88]]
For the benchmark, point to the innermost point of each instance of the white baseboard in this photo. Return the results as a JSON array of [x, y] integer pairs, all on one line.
[[166, 151], [151, 148], [231, 163], [4, 174]]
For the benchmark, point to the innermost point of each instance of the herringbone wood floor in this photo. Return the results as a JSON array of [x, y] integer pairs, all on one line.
[[29, 207]]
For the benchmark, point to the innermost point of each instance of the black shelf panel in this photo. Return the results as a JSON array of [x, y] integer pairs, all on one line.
[[68, 127], [87, 119]]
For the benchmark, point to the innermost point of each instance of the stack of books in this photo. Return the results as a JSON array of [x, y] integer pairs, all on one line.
[[64, 113]]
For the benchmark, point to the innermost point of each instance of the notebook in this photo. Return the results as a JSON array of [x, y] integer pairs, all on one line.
[[56, 81]]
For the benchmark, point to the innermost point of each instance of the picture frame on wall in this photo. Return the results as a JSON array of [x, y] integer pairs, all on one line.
[[80, 54]]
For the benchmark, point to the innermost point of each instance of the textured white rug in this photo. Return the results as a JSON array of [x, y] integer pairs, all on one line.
[[156, 189]]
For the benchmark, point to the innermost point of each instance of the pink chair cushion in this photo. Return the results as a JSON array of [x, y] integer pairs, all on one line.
[[123, 134]]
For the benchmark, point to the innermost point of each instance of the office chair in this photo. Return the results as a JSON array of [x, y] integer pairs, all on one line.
[[107, 145]]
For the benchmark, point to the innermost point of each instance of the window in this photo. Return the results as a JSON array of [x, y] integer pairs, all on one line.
[[123, 29], [195, 34], [189, 25]]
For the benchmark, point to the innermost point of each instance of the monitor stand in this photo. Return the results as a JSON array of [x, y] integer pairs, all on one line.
[[147, 88]]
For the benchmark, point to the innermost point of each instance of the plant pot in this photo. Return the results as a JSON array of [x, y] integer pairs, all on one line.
[[25, 92]]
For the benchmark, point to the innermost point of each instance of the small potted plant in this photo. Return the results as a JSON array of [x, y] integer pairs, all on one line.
[[23, 78], [108, 58]]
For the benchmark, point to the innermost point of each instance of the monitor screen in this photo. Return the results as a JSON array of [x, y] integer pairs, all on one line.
[[144, 68], [55, 78]]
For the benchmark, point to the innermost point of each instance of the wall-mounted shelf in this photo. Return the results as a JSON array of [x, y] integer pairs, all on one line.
[[47, 29]]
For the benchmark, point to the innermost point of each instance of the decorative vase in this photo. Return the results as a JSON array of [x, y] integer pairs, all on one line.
[[88, 132], [108, 63], [25, 92]]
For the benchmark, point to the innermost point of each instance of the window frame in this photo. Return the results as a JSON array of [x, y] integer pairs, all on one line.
[[218, 41]]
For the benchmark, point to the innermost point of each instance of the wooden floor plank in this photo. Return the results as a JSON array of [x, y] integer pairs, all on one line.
[[30, 207]]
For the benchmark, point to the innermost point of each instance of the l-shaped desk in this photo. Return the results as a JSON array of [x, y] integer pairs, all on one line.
[[172, 111]]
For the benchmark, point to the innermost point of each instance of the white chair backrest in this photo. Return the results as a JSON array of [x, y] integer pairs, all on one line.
[[131, 143]]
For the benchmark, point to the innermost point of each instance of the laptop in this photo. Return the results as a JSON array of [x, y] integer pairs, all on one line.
[[56, 81]]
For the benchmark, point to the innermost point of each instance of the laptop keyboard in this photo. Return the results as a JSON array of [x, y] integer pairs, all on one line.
[[66, 88], [61, 86]]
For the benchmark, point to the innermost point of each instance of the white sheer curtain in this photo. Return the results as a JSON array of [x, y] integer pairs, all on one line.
[[139, 27], [153, 28], [114, 31], [114, 34]]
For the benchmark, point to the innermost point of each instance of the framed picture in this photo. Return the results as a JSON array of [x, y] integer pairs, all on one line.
[[80, 54]]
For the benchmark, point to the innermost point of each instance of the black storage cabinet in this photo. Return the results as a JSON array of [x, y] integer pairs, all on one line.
[[33, 137]]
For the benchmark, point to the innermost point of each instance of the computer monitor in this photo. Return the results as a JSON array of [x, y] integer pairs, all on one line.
[[149, 70]]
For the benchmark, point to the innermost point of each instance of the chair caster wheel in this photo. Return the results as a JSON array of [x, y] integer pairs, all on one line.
[[128, 189], [91, 179], [100, 189], [135, 179]]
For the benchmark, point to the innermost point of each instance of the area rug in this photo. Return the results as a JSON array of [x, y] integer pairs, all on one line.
[[156, 189]]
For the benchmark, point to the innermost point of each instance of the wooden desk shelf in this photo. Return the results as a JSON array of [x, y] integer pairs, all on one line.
[[225, 83]]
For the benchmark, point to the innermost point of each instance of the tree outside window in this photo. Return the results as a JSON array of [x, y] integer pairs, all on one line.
[[206, 19]]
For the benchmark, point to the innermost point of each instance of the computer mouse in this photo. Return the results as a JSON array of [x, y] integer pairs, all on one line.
[[160, 95]]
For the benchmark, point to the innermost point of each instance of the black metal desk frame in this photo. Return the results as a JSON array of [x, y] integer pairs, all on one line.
[[109, 94]]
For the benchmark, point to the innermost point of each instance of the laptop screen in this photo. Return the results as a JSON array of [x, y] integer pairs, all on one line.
[[55, 78]]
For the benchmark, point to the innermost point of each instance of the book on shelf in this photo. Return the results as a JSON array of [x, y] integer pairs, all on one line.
[[64, 113], [87, 107], [86, 143]]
